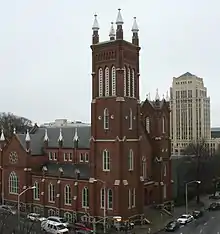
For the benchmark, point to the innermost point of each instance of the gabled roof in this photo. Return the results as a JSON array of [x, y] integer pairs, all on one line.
[[186, 74], [37, 138]]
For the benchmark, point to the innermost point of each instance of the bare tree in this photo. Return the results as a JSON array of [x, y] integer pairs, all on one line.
[[9, 121], [199, 151]]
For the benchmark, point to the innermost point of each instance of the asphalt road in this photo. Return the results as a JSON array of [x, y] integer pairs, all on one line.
[[208, 224]]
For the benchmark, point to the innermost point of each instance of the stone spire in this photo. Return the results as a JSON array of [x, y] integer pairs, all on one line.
[[2, 138], [112, 32], [135, 30], [27, 138], [119, 23], [157, 97], [95, 29], [46, 138]]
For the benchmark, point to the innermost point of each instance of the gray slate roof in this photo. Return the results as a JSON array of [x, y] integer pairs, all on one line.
[[186, 74], [37, 138], [68, 170]]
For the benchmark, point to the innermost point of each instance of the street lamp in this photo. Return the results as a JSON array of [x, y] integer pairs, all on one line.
[[186, 191], [18, 202], [93, 180]]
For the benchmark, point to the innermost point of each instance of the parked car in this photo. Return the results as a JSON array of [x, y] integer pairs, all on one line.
[[185, 218], [172, 226], [214, 206], [214, 197], [58, 220], [35, 217], [7, 209], [54, 227], [82, 228], [197, 214]]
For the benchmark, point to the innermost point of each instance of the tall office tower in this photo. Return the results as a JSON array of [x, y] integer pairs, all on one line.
[[190, 111]]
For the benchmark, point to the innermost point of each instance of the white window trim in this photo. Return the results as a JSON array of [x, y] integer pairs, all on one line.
[[131, 160], [50, 193], [125, 81], [81, 157], [68, 216], [106, 119], [105, 160], [133, 83], [86, 157], [129, 198], [36, 191], [130, 117], [67, 195], [134, 198], [102, 198], [13, 179], [100, 82], [107, 82], [65, 158], [50, 155], [54, 156], [85, 192], [70, 156], [147, 122], [108, 203], [129, 82], [113, 81]]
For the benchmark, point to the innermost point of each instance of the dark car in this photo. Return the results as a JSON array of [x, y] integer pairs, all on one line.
[[214, 206], [197, 214], [172, 226], [214, 197]]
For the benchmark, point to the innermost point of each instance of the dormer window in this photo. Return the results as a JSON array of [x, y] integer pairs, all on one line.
[[147, 124], [163, 125]]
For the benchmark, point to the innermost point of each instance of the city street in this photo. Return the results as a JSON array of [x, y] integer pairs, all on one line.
[[208, 224]]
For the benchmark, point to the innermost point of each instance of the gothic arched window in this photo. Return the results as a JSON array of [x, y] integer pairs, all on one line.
[[106, 81], [133, 83], [100, 82], [125, 81], [106, 118], [113, 81], [129, 82], [13, 183]]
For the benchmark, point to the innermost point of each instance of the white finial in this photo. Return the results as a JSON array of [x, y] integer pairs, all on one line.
[[14, 131], [95, 26], [135, 28], [2, 138], [167, 96], [27, 138], [76, 138], [147, 97], [119, 20], [112, 30], [46, 138], [157, 95], [60, 138]]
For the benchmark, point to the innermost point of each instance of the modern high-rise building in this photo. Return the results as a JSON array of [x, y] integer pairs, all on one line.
[[190, 111]]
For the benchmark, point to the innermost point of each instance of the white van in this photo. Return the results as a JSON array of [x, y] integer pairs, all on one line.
[[54, 227]]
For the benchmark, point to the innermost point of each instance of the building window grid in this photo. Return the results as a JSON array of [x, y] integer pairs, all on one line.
[[148, 124], [54, 156], [106, 119], [86, 157], [50, 155], [106, 81], [36, 191], [125, 81], [13, 183], [102, 198], [131, 160], [113, 81], [133, 84], [106, 160], [100, 82], [129, 199], [51, 193], [129, 82], [67, 195], [68, 217], [110, 199], [85, 197], [130, 119]]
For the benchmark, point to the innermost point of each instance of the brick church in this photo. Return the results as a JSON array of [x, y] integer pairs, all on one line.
[[114, 167]]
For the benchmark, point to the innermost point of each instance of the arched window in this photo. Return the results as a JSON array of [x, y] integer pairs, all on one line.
[[85, 197], [36, 191], [106, 81], [131, 160], [13, 183], [130, 119], [68, 217], [113, 81], [147, 124], [51, 212], [106, 160], [133, 83], [100, 82], [125, 81], [51, 192], [163, 125], [102, 198], [106, 118], [67, 195], [110, 199], [129, 82]]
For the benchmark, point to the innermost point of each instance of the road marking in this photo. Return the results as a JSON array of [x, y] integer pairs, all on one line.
[[205, 224], [212, 217]]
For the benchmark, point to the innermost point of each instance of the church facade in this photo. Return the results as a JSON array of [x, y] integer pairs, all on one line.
[[114, 167]]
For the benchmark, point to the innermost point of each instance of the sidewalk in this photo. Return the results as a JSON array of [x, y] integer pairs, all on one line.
[[159, 219]]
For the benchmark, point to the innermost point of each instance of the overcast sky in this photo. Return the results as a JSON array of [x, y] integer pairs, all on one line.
[[45, 58]]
